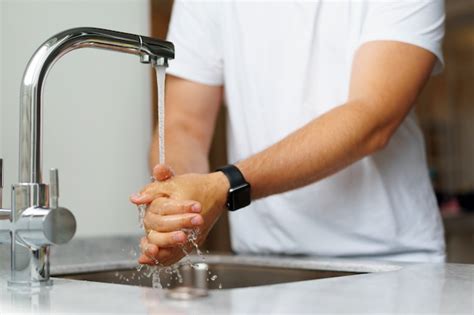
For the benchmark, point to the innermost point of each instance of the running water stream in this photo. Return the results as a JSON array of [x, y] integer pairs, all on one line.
[[160, 80]]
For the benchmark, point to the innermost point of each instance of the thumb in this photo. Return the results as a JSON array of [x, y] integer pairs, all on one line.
[[162, 172]]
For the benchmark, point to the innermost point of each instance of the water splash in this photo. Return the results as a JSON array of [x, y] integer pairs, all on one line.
[[192, 235], [172, 271], [141, 215], [156, 281]]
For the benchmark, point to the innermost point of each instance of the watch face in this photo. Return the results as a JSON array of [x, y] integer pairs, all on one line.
[[239, 197]]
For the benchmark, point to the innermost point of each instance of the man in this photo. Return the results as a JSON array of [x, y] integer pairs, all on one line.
[[321, 129]]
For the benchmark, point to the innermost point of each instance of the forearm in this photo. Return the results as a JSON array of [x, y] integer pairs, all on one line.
[[183, 153], [324, 146], [191, 111], [385, 81]]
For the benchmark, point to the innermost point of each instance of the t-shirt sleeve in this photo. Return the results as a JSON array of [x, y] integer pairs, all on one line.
[[419, 23], [194, 32]]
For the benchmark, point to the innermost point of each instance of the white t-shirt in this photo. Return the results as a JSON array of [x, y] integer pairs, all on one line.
[[285, 63]]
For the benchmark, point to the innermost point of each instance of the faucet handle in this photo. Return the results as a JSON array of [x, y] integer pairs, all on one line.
[[53, 188]]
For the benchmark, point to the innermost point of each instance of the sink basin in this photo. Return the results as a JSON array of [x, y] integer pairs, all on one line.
[[223, 273]]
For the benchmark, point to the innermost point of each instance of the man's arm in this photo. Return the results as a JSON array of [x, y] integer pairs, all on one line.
[[386, 78], [191, 112]]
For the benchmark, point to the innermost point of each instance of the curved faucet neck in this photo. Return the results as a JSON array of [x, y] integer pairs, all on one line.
[[150, 51]]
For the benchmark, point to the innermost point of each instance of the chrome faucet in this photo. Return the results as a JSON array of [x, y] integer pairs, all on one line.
[[35, 221]]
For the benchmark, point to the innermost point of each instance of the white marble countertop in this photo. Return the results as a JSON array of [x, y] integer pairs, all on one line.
[[390, 289]]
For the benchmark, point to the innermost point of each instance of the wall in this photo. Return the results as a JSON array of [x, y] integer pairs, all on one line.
[[96, 113], [1, 76]]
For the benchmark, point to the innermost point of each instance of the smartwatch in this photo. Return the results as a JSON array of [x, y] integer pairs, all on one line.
[[239, 191]]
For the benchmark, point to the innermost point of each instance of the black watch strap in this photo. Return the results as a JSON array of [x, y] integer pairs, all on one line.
[[239, 191]]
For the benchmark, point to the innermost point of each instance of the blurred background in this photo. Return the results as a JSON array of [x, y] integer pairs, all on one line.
[[100, 107]]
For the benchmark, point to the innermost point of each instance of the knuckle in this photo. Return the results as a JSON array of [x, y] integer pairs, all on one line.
[[147, 221], [158, 221], [152, 237], [164, 208]]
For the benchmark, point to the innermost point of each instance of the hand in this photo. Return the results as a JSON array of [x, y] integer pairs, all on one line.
[[176, 203], [159, 249], [164, 221]]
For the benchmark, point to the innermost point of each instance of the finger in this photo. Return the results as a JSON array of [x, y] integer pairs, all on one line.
[[148, 252], [164, 257], [162, 172], [166, 206], [145, 260], [144, 197], [172, 222], [143, 243], [168, 257], [148, 249], [166, 239], [148, 194]]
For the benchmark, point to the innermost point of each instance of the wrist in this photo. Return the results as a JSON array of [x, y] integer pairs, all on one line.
[[220, 187]]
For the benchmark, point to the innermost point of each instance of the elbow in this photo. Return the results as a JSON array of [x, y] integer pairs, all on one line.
[[379, 140], [378, 125], [382, 142]]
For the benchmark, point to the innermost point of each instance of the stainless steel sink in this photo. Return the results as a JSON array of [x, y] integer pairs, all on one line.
[[224, 272], [228, 276]]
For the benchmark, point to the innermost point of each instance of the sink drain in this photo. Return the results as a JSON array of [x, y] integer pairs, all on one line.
[[186, 293]]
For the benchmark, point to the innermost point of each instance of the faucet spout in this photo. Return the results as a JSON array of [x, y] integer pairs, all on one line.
[[149, 49]]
